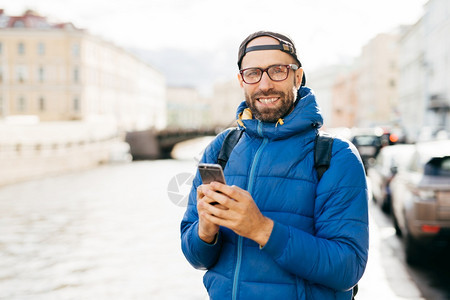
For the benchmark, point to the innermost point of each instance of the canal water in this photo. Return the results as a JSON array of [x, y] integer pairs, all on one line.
[[106, 233]]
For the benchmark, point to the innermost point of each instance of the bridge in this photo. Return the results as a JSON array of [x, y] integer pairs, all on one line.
[[153, 144]]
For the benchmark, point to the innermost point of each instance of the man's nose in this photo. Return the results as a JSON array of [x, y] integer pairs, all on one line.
[[265, 83]]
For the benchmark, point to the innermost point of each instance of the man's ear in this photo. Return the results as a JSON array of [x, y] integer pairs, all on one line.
[[298, 78], [241, 81]]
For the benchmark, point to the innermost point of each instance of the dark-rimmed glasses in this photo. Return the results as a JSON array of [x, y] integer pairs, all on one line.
[[275, 73]]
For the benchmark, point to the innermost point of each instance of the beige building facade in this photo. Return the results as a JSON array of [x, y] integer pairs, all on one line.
[[225, 101], [59, 72], [67, 98], [378, 80], [322, 82], [344, 105]]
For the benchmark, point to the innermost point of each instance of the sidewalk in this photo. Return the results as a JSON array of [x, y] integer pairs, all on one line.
[[385, 276]]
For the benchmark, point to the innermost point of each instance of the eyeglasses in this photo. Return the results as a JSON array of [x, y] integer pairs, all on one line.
[[275, 73]]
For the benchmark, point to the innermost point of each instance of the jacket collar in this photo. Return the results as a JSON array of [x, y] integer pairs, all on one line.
[[305, 116]]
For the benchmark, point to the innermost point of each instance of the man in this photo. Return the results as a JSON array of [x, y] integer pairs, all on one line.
[[278, 232]]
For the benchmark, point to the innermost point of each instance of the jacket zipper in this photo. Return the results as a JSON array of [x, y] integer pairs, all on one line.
[[249, 189]]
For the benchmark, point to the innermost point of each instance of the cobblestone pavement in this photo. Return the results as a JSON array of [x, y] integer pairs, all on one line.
[[113, 233]]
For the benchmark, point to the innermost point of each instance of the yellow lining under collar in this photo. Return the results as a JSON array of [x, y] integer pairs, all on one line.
[[246, 114]]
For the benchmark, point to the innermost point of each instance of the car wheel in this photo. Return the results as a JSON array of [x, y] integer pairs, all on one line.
[[398, 231], [386, 205], [412, 249]]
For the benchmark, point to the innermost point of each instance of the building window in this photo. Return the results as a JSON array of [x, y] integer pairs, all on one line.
[[21, 48], [41, 104], [41, 74], [21, 74], [41, 48], [76, 75], [76, 50], [392, 83], [19, 24], [76, 104], [21, 104]]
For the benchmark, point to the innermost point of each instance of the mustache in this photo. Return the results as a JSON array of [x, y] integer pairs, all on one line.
[[268, 93]]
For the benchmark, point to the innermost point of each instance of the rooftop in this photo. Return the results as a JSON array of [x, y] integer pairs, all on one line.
[[31, 19]]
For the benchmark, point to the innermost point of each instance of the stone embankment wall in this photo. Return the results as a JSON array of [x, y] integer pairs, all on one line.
[[38, 150]]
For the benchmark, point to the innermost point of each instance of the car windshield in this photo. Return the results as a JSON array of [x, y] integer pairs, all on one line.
[[366, 140], [438, 166]]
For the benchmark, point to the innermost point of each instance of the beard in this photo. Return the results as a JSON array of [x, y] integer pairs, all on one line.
[[271, 114]]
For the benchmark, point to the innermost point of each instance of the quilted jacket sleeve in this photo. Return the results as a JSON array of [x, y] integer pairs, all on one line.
[[200, 255], [336, 255]]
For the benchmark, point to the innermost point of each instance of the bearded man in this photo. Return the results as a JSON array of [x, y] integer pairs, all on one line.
[[275, 231]]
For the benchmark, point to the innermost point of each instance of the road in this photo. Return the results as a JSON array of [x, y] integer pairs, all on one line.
[[429, 279], [113, 233]]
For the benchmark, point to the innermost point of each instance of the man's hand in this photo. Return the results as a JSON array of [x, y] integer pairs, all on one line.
[[206, 229], [236, 210]]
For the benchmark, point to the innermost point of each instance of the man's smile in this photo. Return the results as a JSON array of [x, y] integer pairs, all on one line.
[[267, 100], [270, 105]]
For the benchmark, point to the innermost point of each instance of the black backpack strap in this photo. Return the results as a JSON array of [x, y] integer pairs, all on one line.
[[322, 152], [322, 158], [228, 144], [354, 292]]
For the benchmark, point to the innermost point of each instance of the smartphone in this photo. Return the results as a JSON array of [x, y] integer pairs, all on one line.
[[211, 172]]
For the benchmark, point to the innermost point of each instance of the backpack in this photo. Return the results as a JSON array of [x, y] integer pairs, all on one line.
[[322, 157]]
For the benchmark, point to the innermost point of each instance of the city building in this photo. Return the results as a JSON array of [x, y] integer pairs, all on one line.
[[411, 83], [186, 108], [68, 97], [227, 95], [344, 105], [378, 79], [424, 88], [59, 72], [322, 81], [436, 23]]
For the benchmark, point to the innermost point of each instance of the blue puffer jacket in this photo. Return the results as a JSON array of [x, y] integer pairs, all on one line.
[[319, 244]]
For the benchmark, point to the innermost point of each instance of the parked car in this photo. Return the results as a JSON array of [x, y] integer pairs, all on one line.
[[381, 172], [421, 198], [368, 145]]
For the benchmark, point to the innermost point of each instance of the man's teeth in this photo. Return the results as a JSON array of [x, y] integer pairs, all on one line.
[[268, 100]]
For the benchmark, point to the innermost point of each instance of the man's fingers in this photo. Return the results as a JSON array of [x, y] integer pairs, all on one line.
[[220, 198], [215, 219], [200, 193], [233, 192]]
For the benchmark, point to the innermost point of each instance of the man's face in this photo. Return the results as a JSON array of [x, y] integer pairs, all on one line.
[[270, 100]]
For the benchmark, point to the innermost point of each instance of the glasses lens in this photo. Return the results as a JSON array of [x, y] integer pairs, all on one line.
[[252, 75], [278, 73]]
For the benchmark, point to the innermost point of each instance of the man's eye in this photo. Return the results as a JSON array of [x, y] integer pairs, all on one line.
[[252, 72], [278, 69]]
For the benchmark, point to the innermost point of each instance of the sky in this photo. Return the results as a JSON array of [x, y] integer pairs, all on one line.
[[325, 31]]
